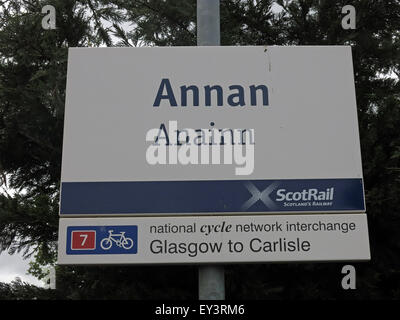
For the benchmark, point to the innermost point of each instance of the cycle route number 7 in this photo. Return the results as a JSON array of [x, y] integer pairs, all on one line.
[[90, 240]]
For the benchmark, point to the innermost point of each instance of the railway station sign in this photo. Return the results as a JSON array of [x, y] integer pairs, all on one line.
[[210, 130], [211, 155]]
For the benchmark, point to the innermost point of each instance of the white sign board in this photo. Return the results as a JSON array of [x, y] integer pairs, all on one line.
[[206, 239], [210, 130]]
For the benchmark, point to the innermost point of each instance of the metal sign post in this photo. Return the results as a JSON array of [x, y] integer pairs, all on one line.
[[211, 277], [208, 23]]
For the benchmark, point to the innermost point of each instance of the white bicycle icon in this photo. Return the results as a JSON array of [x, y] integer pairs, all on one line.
[[119, 239]]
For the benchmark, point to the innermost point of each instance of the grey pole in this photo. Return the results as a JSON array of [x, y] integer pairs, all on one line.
[[211, 277], [211, 282], [208, 23]]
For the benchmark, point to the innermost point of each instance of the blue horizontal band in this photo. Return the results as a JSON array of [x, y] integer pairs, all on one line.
[[216, 196]]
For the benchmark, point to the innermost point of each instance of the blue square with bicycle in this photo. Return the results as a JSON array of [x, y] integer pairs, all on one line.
[[102, 239]]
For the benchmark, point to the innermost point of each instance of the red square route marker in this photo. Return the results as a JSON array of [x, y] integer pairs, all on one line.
[[83, 240]]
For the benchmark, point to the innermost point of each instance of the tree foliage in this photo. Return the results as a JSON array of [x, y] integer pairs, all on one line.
[[19, 290], [32, 95]]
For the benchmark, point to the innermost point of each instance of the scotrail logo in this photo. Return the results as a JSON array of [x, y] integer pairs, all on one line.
[[305, 195], [275, 198]]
